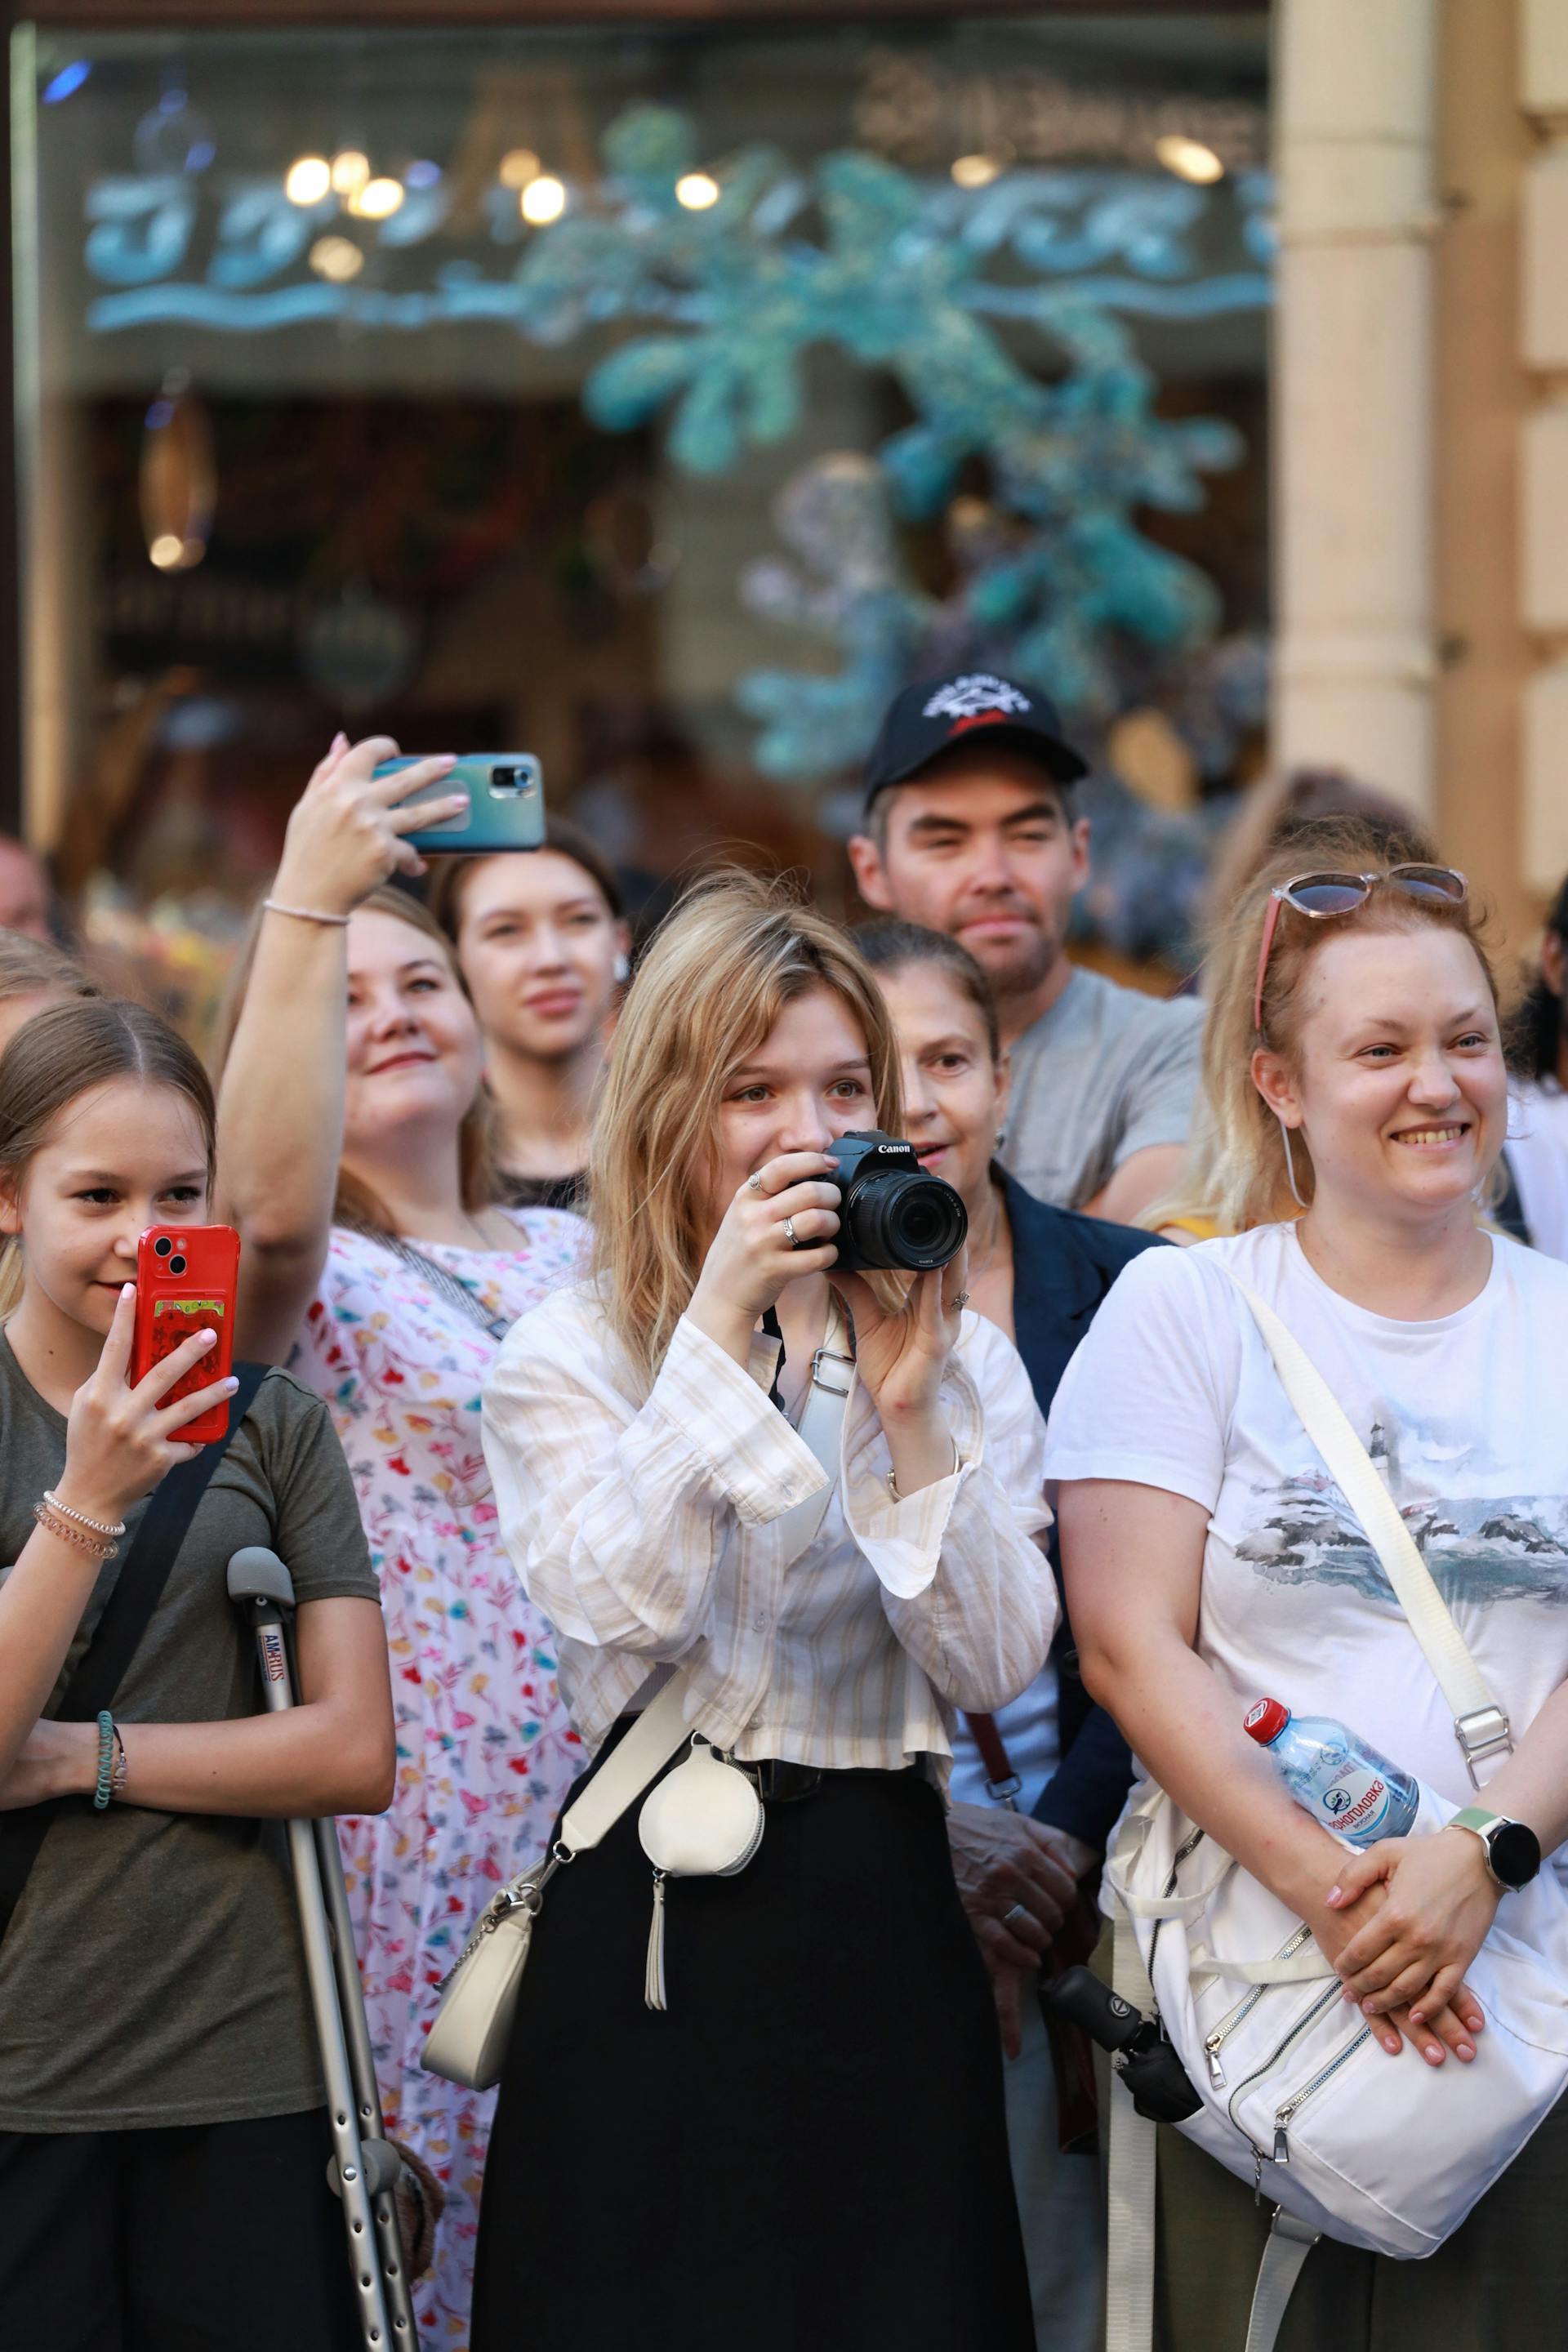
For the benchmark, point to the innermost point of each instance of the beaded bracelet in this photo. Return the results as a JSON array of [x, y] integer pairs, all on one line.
[[54, 1524], [105, 1788], [111, 1529]]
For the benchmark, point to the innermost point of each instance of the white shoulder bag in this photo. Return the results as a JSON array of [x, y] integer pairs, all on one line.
[[704, 1820], [1386, 2154]]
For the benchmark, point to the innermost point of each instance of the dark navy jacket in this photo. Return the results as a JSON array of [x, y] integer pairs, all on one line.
[[1063, 1265]]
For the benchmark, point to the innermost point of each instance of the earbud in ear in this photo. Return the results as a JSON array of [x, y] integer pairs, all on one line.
[[623, 969]]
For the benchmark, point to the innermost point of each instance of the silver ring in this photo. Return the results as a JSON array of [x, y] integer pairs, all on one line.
[[789, 1232], [959, 1303], [754, 1181], [1018, 1911]]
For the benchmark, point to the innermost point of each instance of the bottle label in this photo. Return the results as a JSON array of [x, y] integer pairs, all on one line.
[[1356, 1803]]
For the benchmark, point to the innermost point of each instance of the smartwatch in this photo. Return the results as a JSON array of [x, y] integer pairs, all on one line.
[[1512, 1850]]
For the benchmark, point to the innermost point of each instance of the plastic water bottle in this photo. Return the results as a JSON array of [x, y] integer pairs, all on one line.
[[1336, 1777]]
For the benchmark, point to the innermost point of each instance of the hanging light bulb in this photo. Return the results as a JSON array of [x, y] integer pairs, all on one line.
[[974, 171], [336, 258], [377, 200], [1189, 158], [543, 200], [308, 179], [696, 191]]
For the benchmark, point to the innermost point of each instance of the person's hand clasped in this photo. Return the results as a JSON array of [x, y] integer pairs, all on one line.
[[1352, 1926], [1016, 1884], [120, 1440], [1440, 1901], [345, 832]]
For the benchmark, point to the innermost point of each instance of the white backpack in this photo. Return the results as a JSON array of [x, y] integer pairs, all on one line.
[[1298, 2099]]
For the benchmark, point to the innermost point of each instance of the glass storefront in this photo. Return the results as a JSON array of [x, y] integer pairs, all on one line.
[[652, 400]]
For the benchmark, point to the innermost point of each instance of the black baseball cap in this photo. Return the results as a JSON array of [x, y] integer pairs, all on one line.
[[930, 717]]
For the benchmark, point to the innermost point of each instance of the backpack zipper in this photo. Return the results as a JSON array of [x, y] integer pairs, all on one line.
[[1284, 2115], [1213, 2042], [1293, 2033], [1194, 1839]]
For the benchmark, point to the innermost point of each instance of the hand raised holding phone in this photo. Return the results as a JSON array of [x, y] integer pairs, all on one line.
[[122, 1439], [346, 831]]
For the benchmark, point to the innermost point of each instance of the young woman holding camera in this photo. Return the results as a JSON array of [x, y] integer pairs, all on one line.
[[379, 1261], [808, 2140], [1354, 1068], [162, 2130]]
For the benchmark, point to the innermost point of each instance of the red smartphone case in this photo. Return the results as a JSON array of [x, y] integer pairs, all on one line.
[[187, 1279]]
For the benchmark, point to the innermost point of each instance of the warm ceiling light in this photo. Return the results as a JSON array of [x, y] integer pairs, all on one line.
[[517, 166], [542, 200], [696, 191], [1189, 158], [975, 171], [309, 179], [337, 258], [350, 169], [377, 200], [167, 550]]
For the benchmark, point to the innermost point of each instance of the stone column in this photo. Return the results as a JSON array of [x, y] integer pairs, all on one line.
[[1352, 390]]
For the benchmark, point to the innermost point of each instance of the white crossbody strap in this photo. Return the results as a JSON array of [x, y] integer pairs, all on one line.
[[662, 1726], [1480, 1726]]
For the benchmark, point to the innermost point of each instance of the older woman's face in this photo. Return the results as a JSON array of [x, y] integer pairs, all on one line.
[[955, 1095]]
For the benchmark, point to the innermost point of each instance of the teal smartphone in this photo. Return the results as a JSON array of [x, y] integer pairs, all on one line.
[[505, 811]]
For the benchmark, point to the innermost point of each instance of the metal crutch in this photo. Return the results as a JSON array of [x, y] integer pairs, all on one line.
[[366, 2165]]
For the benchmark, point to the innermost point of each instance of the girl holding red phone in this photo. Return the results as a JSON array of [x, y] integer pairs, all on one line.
[[162, 2129], [379, 1262]]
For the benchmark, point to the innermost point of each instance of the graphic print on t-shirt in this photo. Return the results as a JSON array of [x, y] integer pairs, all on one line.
[[1482, 1551]]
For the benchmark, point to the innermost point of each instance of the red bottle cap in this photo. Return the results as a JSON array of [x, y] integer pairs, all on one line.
[[1266, 1721]]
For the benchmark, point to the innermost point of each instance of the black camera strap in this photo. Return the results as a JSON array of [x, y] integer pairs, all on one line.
[[117, 1636]]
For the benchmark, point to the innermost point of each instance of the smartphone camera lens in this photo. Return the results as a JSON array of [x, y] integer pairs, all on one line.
[[162, 1245], [511, 783], [176, 1265]]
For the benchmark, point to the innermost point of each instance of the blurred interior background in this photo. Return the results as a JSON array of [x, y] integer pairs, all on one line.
[[657, 389]]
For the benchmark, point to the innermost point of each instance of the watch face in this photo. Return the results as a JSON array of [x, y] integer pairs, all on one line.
[[1515, 1854]]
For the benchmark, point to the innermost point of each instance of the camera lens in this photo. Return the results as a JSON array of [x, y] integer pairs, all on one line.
[[176, 1265], [899, 1219], [162, 1245]]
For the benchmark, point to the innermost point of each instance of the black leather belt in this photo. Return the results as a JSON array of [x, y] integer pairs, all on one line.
[[779, 1782]]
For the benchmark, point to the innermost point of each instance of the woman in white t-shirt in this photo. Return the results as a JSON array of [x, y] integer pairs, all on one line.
[[1210, 1559]]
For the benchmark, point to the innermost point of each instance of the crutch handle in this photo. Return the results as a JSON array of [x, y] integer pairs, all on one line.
[[258, 1574]]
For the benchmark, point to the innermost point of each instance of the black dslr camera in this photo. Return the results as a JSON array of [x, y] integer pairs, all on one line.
[[893, 1213]]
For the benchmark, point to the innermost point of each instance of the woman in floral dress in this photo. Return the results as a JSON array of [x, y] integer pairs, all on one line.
[[377, 1263]]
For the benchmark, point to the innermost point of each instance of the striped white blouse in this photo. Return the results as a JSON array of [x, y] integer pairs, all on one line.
[[652, 1533]]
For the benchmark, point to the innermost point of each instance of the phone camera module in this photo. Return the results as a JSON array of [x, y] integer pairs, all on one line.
[[511, 783], [162, 1245], [176, 1265]]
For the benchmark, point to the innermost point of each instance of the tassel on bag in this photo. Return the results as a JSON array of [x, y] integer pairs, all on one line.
[[653, 1982]]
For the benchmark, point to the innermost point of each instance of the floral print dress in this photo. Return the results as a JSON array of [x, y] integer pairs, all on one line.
[[484, 1751]]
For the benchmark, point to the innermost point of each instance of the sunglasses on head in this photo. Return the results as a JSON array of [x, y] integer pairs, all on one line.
[[1323, 895]]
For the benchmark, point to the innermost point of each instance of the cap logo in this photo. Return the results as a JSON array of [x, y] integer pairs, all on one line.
[[968, 697]]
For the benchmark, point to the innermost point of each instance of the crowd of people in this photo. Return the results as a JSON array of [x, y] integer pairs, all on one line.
[[555, 1394]]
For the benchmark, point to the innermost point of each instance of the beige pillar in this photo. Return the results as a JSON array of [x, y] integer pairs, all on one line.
[[1543, 470], [1352, 390]]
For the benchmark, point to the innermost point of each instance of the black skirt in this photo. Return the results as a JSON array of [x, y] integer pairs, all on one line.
[[807, 2149]]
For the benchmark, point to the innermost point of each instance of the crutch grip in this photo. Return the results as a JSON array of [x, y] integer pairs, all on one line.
[[258, 1574]]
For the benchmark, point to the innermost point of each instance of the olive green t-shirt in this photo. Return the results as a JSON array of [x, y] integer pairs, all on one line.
[[152, 1971]]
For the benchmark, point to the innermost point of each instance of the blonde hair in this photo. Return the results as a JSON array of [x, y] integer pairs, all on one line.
[[707, 993], [1250, 1185], [30, 967], [355, 1204], [64, 1052]]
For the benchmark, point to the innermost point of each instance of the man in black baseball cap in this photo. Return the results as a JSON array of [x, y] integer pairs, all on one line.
[[969, 828]]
